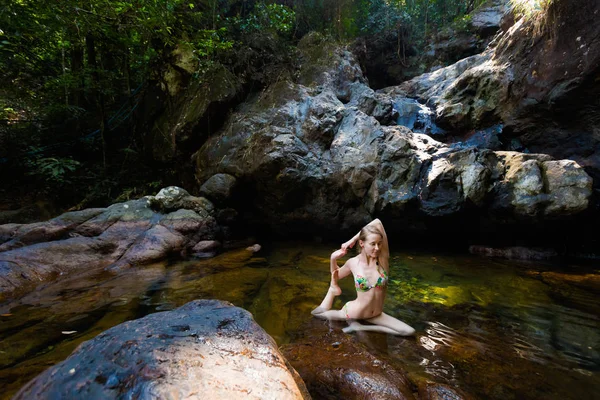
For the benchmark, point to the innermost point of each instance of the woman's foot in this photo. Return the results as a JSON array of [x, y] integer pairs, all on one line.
[[323, 306], [353, 327], [335, 289]]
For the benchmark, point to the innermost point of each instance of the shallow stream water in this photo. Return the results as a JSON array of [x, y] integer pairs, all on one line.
[[492, 328]]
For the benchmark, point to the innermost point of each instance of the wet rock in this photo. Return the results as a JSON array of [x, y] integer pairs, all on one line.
[[219, 187], [514, 253], [312, 155], [416, 116], [255, 248], [153, 245], [488, 138], [334, 366], [17, 235], [569, 188], [539, 83], [28, 266], [537, 185], [173, 198], [116, 237], [169, 131], [206, 248], [487, 19], [187, 221], [206, 245], [586, 281], [437, 391], [205, 349]]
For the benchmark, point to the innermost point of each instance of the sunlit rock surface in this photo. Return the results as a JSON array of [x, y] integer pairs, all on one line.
[[538, 78], [314, 154], [205, 349], [487, 18], [124, 234]]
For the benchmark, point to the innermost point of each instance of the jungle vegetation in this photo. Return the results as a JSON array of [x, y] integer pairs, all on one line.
[[73, 73]]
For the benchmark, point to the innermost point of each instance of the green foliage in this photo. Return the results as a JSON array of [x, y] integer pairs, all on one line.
[[55, 171], [273, 17], [347, 19], [211, 41], [71, 68], [138, 191], [462, 23]]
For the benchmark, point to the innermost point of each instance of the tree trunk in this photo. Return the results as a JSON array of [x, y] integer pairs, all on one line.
[[97, 91], [77, 71]]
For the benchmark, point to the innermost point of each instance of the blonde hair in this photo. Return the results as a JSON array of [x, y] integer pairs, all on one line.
[[364, 232], [384, 255]]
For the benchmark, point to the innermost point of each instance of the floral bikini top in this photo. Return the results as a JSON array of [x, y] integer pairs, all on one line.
[[362, 284]]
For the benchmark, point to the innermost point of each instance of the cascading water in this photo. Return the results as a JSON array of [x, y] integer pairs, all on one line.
[[416, 116]]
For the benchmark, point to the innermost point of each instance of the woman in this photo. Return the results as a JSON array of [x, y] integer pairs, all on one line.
[[370, 269]]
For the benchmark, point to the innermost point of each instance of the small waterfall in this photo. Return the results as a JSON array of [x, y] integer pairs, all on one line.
[[416, 116]]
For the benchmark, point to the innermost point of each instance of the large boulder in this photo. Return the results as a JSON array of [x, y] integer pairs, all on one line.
[[219, 187], [537, 79], [311, 155], [131, 233], [204, 349], [178, 109], [488, 18]]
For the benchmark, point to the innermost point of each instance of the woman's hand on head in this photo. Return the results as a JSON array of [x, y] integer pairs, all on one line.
[[347, 245]]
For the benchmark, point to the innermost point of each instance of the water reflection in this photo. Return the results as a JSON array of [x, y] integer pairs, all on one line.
[[489, 327]]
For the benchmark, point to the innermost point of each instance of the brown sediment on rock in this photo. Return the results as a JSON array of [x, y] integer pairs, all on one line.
[[584, 281]]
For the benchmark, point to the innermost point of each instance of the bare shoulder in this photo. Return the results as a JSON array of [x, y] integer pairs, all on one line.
[[352, 262]]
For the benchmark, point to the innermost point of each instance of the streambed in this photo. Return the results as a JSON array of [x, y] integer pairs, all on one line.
[[493, 328]]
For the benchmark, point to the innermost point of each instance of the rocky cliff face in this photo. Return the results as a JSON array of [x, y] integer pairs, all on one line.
[[318, 153], [538, 79]]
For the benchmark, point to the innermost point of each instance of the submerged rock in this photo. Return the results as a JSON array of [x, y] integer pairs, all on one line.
[[205, 349], [585, 281], [334, 366], [515, 253], [116, 237], [437, 391]]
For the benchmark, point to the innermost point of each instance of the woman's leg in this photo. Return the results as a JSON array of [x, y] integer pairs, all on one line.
[[355, 326], [338, 315], [334, 290], [383, 323], [333, 285]]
